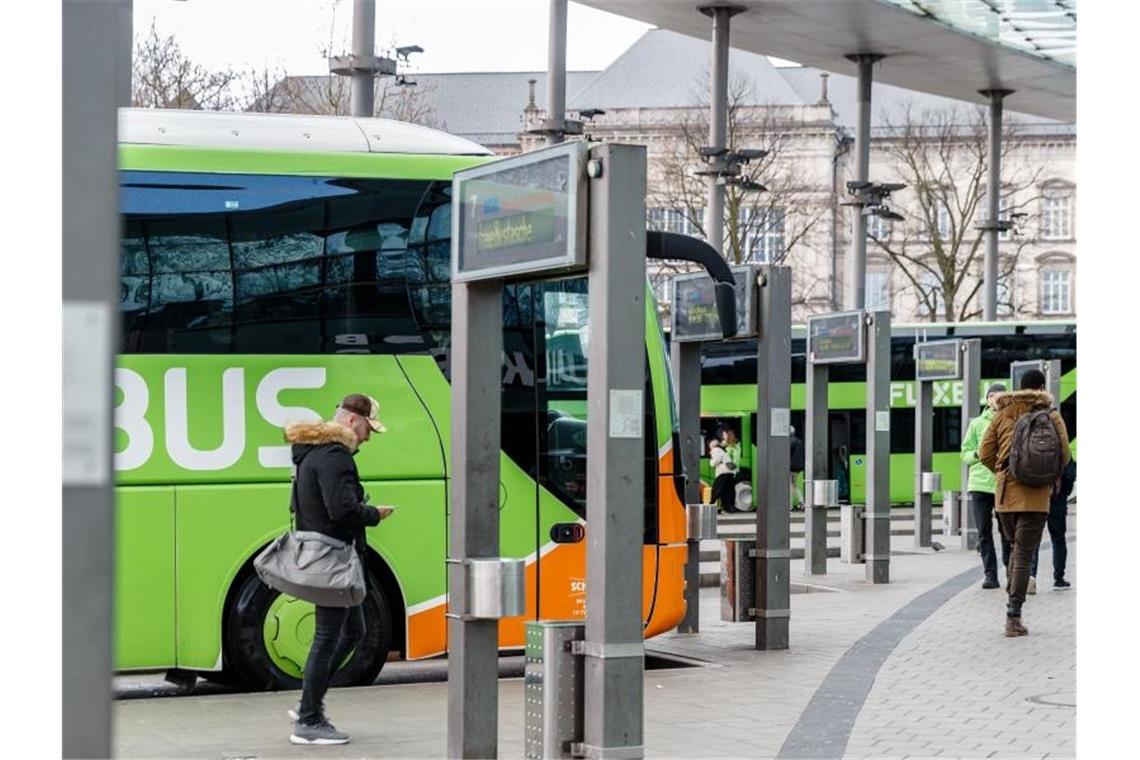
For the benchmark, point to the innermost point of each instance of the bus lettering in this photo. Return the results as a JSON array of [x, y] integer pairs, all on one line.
[[178, 446], [130, 417], [277, 415]]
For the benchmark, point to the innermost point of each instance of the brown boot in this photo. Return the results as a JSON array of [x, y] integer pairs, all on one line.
[[1013, 627]]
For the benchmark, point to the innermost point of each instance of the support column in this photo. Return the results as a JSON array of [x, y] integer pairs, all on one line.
[[993, 199], [686, 365], [818, 466], [971, 407], [857, 264], [615, 471], [923, 460], [773, 455], [878, 488], [473, 645], [96, 78], [556, 74], [718, 118], [363, 92]]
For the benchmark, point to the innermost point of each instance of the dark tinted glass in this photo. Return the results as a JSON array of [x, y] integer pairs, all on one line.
[[267, 264]]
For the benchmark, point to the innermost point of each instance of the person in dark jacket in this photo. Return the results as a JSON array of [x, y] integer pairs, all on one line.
[[1057, 524], [797, 462], [328, 498]]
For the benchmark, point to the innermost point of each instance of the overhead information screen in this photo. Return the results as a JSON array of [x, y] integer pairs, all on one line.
[[836, 338], [694, 312], [939, 360], [521, 215]]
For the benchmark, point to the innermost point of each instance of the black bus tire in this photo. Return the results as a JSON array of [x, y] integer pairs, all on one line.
[[246, 655]]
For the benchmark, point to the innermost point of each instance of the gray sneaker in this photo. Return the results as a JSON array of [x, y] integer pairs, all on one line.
[[318, 733]]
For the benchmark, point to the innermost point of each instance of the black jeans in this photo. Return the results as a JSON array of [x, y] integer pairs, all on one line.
[[1057, 524], [338, 631], [1025, 529], [982, 505]]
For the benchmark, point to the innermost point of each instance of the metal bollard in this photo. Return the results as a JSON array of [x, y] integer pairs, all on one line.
[[738, 580], [553, 678], [951, 516], [851, 532]]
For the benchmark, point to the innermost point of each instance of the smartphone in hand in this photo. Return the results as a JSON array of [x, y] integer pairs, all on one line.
[[386, 511]]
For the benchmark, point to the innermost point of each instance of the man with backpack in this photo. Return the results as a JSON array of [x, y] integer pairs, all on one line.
[[1027, 447]]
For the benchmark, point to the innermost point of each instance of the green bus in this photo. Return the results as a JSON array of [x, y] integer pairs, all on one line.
[[728, 396], [270, 265]]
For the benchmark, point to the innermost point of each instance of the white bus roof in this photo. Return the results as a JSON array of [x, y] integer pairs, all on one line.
[[262, 131]]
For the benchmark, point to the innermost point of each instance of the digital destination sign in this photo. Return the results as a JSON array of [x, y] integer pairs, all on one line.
[[694, 312], [838, 338], [938, 360], [521, 215]]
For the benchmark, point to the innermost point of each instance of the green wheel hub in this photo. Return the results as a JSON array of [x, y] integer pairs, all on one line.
[[288, 633]]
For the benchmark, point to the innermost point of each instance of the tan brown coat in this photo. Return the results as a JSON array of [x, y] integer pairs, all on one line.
[[1012, 496]]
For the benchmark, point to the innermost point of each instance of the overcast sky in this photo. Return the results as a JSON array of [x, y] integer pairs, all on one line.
[[455, 36]]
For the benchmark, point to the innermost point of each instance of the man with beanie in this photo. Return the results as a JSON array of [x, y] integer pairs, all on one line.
[[980, 490], [1023, 507]]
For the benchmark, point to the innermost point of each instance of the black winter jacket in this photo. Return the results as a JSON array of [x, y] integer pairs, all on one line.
[[328, 497]]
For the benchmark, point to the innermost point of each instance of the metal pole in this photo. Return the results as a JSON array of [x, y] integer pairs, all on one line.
[[473, 645], [686, 364], [615, 472], [923, 459], [971, 407], [993, 198], [857, 266], [773, 457], [556, 73], [718, 119], [878, 556], [818, 466], [363, 49], [93, 78]]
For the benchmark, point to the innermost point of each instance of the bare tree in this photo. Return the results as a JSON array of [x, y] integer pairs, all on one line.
[[164, 77], [768, 225], [942, 156]]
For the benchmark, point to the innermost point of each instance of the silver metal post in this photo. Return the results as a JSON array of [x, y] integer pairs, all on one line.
[[857, 266], [718, 117], [363, 48], [878, 516], [923, 459], [773, 456], [971, 407], [818, 466], [615, 473], [686, 365], [556, 73], [473, 645], [993, 198], [96, 57]]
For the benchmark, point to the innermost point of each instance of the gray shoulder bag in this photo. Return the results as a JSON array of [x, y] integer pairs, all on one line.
[[312, 566]]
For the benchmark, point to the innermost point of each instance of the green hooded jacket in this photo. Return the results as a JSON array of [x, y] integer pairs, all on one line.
[[981, 478]]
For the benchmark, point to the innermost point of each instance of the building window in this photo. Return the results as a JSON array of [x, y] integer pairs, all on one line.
[[1056, 291], [1005, 294], [877, 294], [762, 234], [931, 300], [1057, 215], [680, 220], [941, 218]]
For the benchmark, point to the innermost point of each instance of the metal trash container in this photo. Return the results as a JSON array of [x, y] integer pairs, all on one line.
[[702, 521], [968, 525], [825, 493], [495, 588], [951, 514], [851, 532], [931, 482], [738, 580], [553, 679]]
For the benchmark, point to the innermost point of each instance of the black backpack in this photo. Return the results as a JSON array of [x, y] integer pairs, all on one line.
[[1035, 456]]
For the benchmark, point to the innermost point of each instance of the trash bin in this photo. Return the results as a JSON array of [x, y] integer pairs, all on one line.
[[738, 580]]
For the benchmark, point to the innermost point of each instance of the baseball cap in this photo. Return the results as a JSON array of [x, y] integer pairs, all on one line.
[[366, 407], [995, 388]]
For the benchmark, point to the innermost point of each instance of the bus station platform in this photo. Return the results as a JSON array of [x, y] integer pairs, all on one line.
[[916, 668]]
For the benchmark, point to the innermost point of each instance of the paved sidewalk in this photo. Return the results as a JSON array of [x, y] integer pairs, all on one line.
[[951, 686]]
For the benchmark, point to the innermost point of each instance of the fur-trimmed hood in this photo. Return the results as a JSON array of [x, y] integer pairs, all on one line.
[[1028, 400], [307, 434]]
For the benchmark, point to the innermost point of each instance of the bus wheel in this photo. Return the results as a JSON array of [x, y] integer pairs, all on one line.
[[267, 638]]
